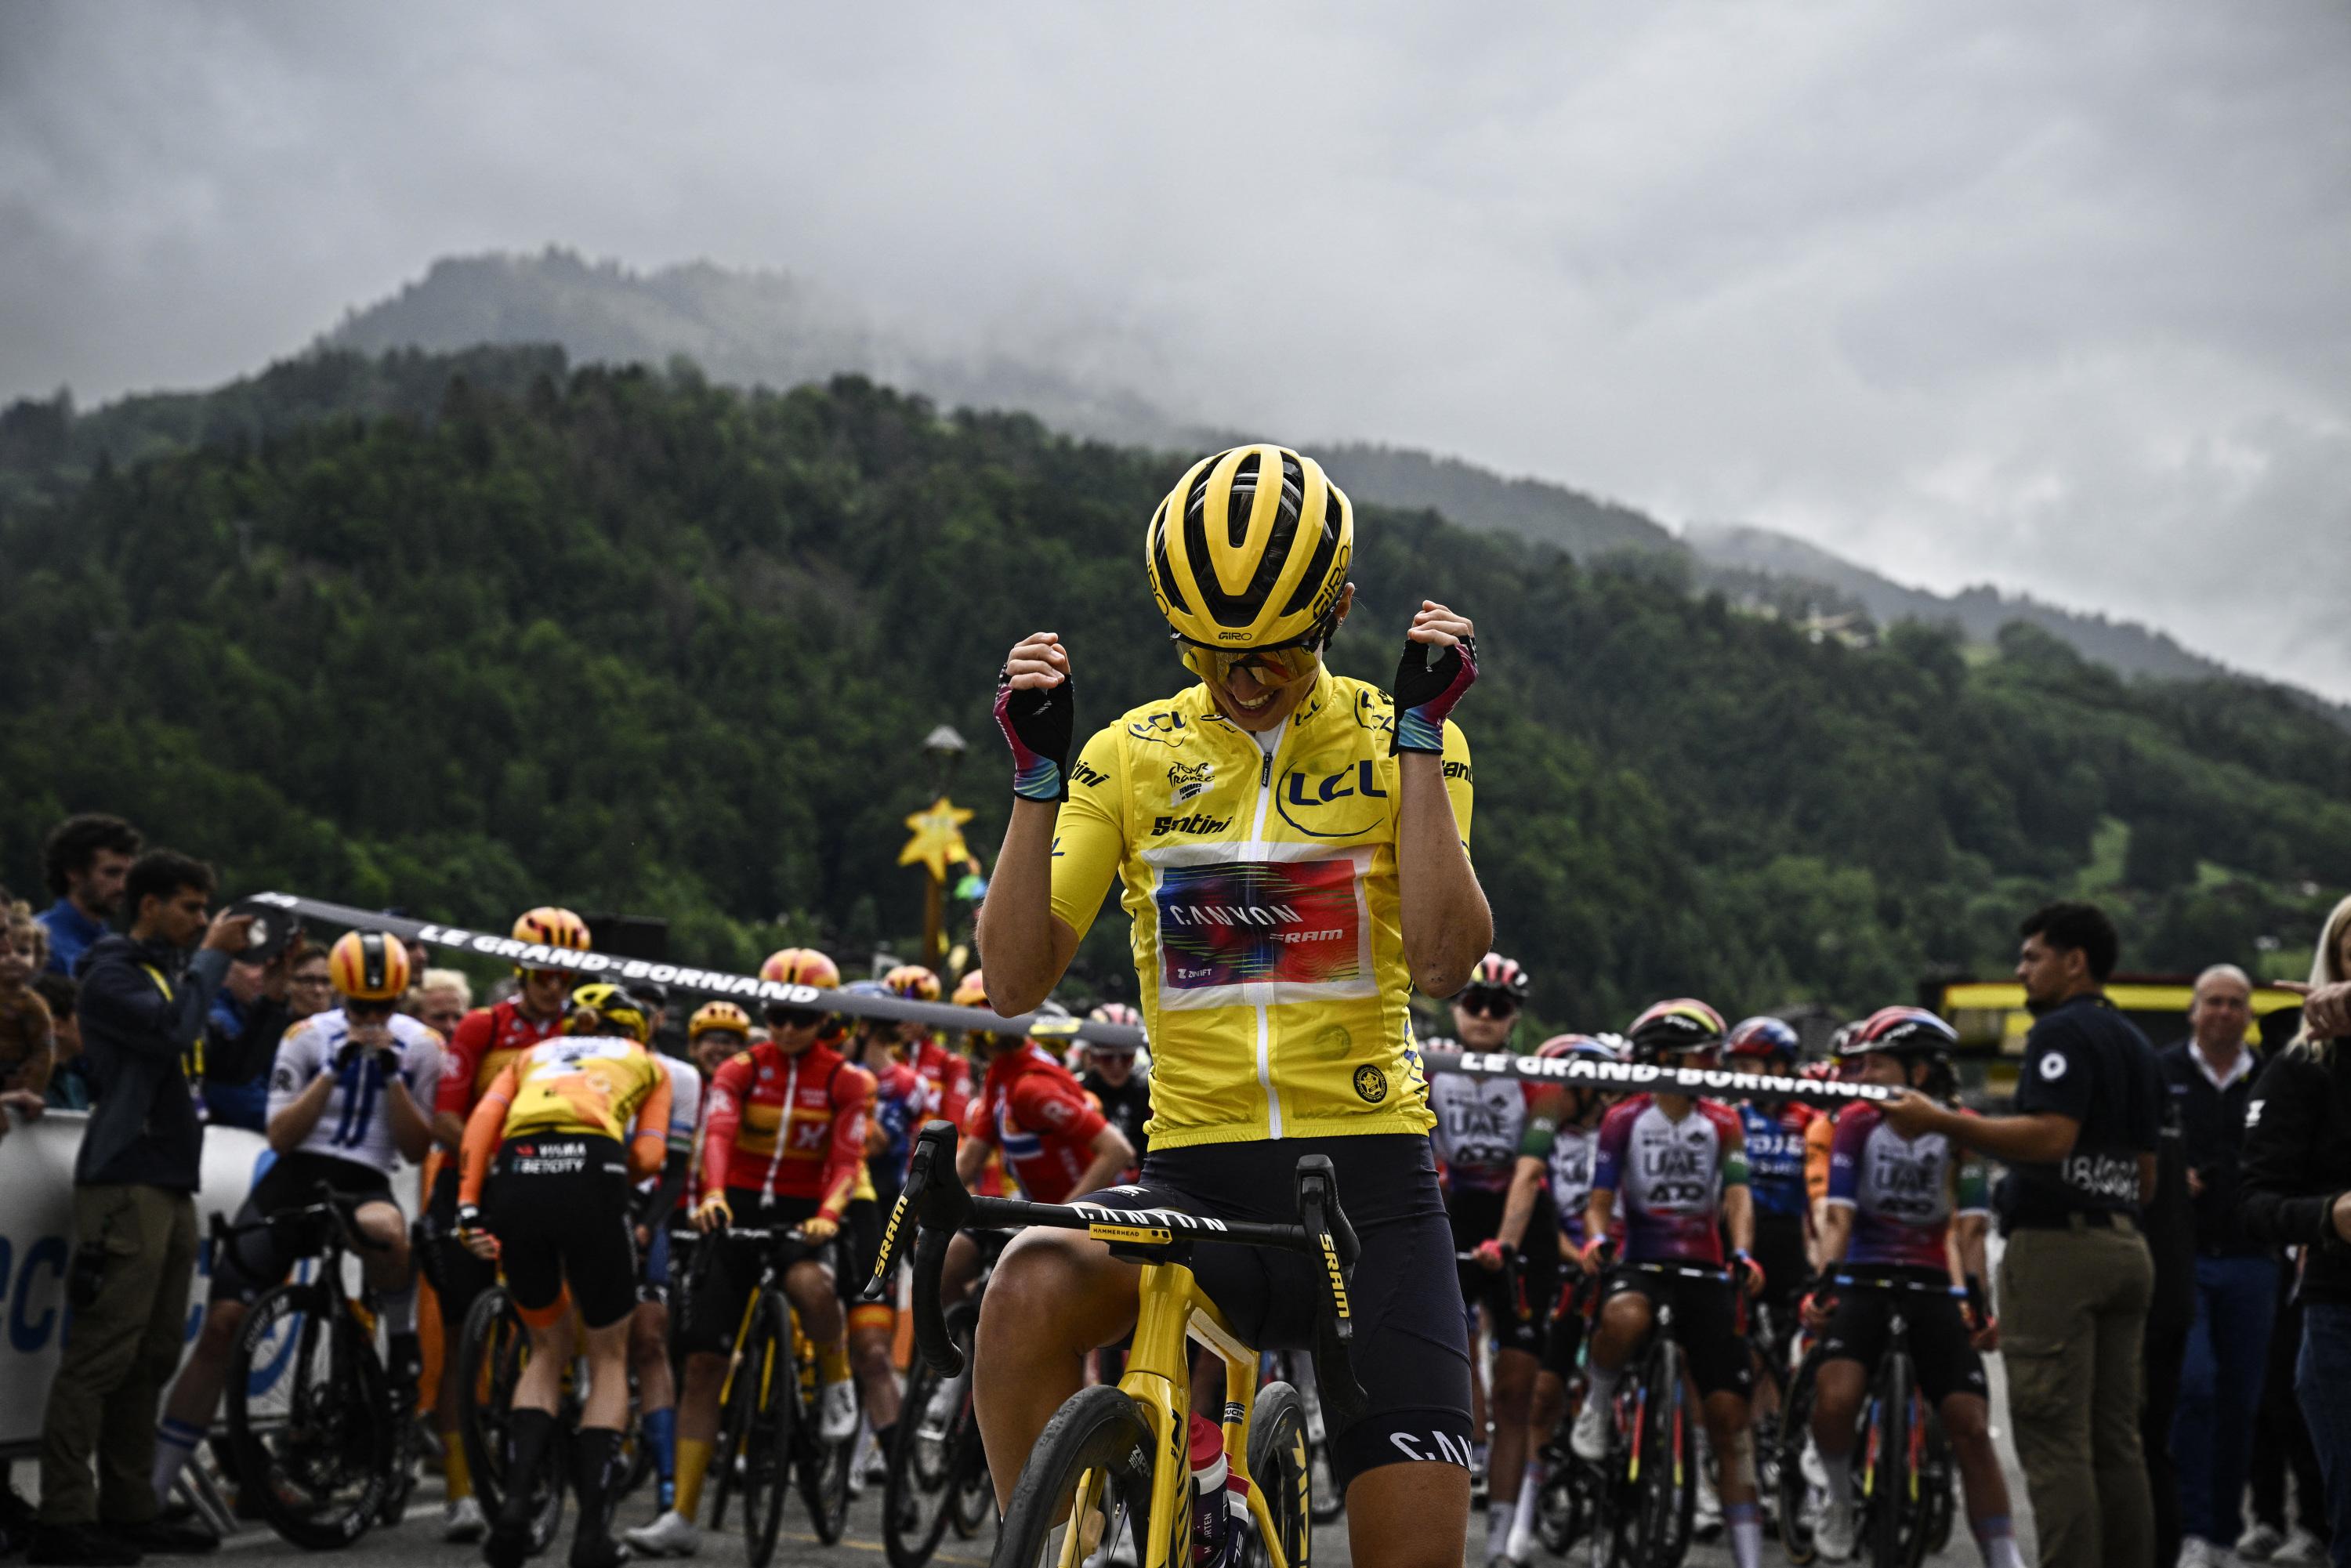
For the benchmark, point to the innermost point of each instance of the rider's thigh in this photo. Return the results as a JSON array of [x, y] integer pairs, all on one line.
[[1064, 1282], [809, 1284]]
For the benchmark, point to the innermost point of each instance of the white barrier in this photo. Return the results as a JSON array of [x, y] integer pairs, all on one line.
[[36, 1161]]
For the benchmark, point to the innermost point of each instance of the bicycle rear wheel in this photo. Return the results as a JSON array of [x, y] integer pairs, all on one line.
[[1328, 1500], [1089, 1477], [1279, 1465], [309, 1416], [492, 1349]]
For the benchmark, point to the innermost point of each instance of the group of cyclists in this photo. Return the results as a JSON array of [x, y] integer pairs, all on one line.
[[1290, 847]]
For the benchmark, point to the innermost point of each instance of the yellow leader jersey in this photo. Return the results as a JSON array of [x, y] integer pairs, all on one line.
[[581, 1084], [1262, 888]]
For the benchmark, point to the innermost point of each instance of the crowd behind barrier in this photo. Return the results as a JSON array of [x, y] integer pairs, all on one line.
[[2175, 1285]]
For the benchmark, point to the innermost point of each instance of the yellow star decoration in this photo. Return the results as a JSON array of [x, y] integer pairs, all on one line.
[[938, 838]]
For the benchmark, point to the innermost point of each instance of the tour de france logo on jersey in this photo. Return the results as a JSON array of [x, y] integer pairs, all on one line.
[[1188, 781], [1242, 922]]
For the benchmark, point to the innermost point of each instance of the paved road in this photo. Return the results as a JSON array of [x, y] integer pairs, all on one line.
[[418, 1541]]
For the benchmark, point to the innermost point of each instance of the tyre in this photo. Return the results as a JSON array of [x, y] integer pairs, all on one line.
[[766, 1396], [921, 1465], [492, 1349], [1329, 1501], [1937, 1475], [309, 1416], [824, 1469], [1090, 1476], [1563, 1506], [1664, 1477], [1796, 1494], [1279, 1465], [1889, 1528]]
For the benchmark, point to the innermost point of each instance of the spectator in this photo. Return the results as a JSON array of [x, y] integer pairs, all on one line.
[[2282, 1444], [2296, 1192], [68, 1085], [310, 987], [32, 936], [28, 1036], [2076, 1279], [249, 1016], [142, 1008], [1123, 1093], [85, 860], [443, 997], [2210, 1076]]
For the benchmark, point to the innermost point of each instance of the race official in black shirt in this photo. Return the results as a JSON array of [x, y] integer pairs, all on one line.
[[2076, 1279]]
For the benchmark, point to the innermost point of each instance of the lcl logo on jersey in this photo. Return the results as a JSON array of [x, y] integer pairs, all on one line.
[[1306, 795]]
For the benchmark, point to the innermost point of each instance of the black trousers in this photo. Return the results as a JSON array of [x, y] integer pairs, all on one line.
[[2280, 1441], [2167, 1347]]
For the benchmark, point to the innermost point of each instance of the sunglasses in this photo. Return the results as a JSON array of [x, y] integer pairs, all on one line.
[[355, 1008], [1489, 1004], [1282, 666], [795, 1018]]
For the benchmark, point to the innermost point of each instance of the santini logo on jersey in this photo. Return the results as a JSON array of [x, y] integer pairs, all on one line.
[[1197, 822]]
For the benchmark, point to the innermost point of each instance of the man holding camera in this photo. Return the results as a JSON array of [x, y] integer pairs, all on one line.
[[141, 1007]]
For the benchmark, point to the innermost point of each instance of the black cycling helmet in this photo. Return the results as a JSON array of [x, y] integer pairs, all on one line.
[[1673, 1027]]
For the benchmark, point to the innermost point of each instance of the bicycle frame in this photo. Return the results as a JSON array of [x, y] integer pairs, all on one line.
[[1171, 1311]]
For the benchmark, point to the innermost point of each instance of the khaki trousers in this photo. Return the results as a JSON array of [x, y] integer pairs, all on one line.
[[120, 1352], [2073, 1307]]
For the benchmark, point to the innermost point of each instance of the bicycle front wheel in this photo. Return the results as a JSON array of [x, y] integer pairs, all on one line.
[[309, 1416], [1796, 1492], [763, 1405], [824, 1470], [1087, 1482], [1666, 1485], [1278, 1463], [922, 1458], [1892, 1487]]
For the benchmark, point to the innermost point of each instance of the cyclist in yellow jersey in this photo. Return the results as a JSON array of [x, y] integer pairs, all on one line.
[[1292, 846], [554, 1120]]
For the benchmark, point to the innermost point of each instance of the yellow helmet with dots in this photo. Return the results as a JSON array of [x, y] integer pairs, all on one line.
[[800, 966], [719, 1014], [551, 926], [912, 981]]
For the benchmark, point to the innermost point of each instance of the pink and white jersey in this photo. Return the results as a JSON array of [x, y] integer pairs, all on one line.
[[1480, 1123], [1667, 1177], [1572, 1152], [1902, 1191]]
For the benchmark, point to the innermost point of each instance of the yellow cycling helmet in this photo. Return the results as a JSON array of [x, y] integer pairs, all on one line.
[[549, 926], [616, 1012], [369, 966], [800, 966], [718, 1016], [971, 991], [1250, 549], [913, 982]]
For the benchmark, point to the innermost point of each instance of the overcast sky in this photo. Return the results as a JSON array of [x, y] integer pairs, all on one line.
[[2055, 296]]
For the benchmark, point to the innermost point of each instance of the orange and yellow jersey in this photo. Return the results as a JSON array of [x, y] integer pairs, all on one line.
[[788, 1126], [581, 1084]]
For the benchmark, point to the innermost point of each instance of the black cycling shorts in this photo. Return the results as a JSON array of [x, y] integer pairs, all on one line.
[[257, 1260], [719, 1281], [561, 1203], [1706, 1321], [1779, 1251], [1947, 1363], [1517, 1300], [1410, 1351], [458, 1277]]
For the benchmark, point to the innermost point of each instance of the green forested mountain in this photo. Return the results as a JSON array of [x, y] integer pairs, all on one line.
[[639, 642]]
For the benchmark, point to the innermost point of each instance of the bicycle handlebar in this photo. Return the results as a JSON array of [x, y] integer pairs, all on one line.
[[936, 1197]]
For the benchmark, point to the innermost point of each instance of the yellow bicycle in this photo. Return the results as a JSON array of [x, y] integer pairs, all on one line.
[[1115, 1460]]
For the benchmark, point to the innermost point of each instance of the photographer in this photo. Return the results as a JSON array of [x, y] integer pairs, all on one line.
[[141, 1007]]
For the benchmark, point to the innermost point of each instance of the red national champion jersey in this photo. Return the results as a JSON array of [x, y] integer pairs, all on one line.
[[1032, 1109], [787, 1127], [479, 1048]]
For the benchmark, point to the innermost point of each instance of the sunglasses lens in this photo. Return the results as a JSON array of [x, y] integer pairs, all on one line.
[[1269, 666], [795, 1018]]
